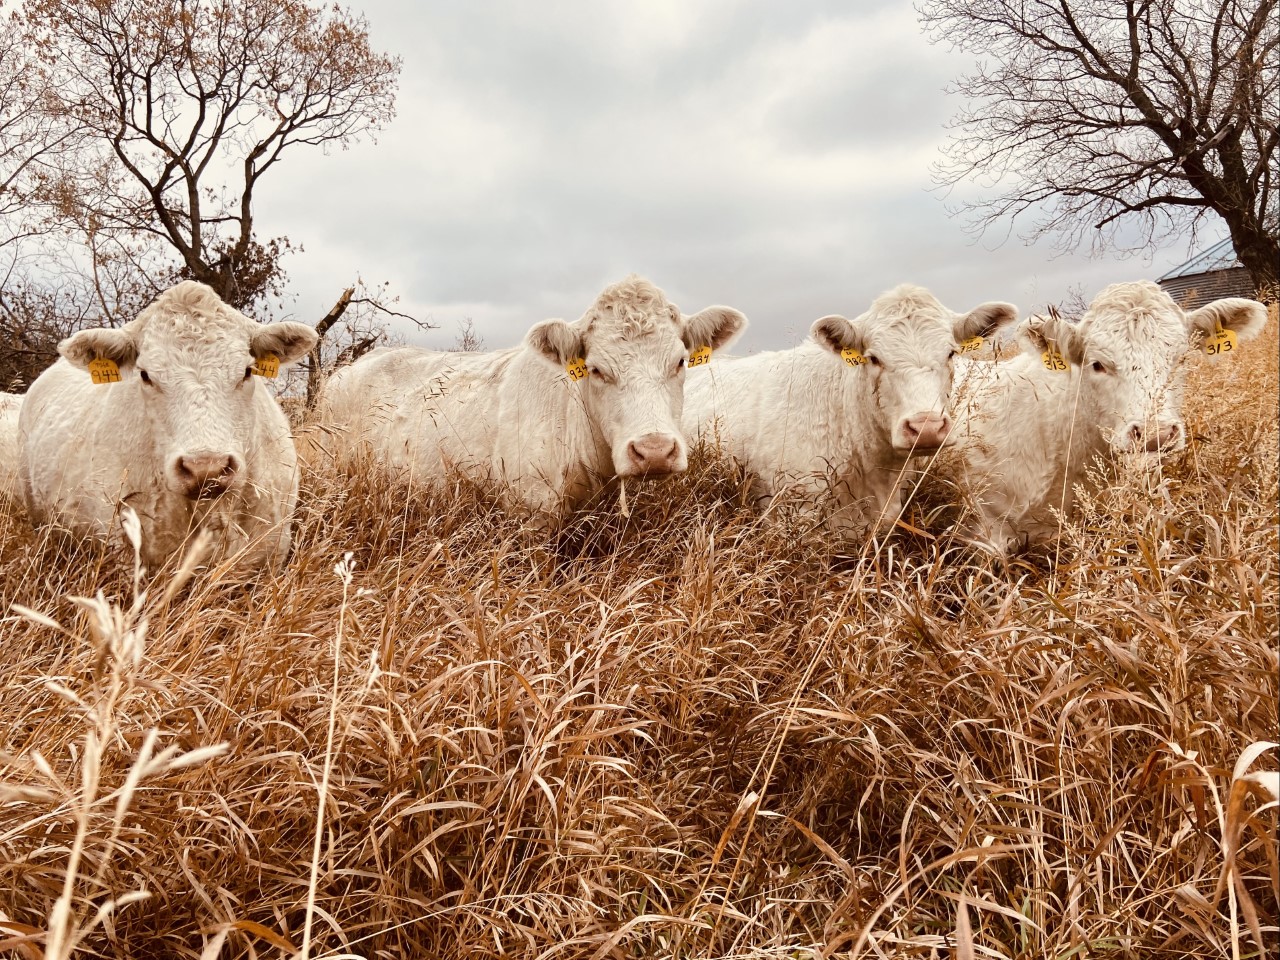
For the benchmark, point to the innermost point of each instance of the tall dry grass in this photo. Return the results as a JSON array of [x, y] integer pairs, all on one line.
[[684, 734]]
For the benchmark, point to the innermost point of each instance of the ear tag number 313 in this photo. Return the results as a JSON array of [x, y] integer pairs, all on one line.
[[852, 357], [576, 368], [1053, 360], [700, 356], [1220, 342], [104, 370], [267, 365]]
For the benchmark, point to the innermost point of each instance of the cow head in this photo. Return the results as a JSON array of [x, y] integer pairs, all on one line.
[[189, 358], [1128, 351], [634, 345], [903, 347]]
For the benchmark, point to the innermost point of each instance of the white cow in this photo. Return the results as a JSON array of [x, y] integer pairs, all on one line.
[[183, 431], [10, 407], [1028, 429], [837, 418], [519, 418]]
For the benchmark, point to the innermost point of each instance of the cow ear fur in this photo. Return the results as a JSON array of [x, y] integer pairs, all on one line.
[[835, 333], [87, 345], [1245, 317], [984, 320], [714, 327], [1041, 333], [287, 340], [556, 340]]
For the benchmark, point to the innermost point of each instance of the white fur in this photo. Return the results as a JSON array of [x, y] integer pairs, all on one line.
[[87, 448], [804, 421], [10, 407], [515, 418], [1025, 435]]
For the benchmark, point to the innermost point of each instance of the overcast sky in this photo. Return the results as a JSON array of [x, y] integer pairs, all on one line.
[[770, 156]]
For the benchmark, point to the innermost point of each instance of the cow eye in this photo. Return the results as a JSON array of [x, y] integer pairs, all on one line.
[[1098, 366], [951, 355], [146, 377], [248, 372], [874, 361]]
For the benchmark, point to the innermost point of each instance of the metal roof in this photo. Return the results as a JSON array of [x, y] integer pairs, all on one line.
[[1221, 256]]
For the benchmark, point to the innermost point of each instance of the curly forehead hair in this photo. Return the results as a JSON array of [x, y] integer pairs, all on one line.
[[904, 305], [1138, 308], [635, 305], [192, 315]]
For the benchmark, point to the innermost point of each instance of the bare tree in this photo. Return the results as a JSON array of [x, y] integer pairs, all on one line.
[[188, 104], [468, 341], [1125, 121]]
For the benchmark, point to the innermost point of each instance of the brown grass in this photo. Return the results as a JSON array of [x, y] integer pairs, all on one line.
[[686, 734]]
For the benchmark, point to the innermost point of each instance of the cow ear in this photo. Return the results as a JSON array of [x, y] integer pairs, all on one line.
[[288, 341], [87, 345], [984, 320], [556, 340], [714, 327], [1245, 318], [835, 333], [1041, 333]]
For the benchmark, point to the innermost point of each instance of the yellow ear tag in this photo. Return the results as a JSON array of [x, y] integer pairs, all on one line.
[[700, 356], [852, 357], [577, 368], [972, 345], [104, 370], [1220, 342], [267, 365], [1053, 360]]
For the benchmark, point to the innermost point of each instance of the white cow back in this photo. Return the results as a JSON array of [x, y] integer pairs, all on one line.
[[10, 407]]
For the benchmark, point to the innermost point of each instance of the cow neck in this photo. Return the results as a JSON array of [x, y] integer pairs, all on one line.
[[558, 404], [863, 437]]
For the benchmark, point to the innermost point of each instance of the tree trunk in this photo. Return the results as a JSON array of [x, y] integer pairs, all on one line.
[[1260, 254], [315, 369]]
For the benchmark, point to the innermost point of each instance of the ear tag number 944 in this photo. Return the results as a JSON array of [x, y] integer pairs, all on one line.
[[852, 357], [700, 356], [1220, 342], [104, 370], [267, 365], [576, 368], [1053, 360]]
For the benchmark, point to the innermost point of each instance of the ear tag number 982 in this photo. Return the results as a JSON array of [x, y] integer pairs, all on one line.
[[576, 368], [1053, 360], [104, 370], [267, 365], [1220, 342], [700, 356], [852, 357]]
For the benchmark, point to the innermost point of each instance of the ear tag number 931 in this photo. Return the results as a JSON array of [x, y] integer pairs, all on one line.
[[104, 370], [267, 365], [1220, 342], [852, 357], [576, 368], [1053, 360], [700, 356]]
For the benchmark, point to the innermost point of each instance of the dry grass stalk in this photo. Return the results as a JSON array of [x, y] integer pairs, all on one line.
[[683, 733]]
